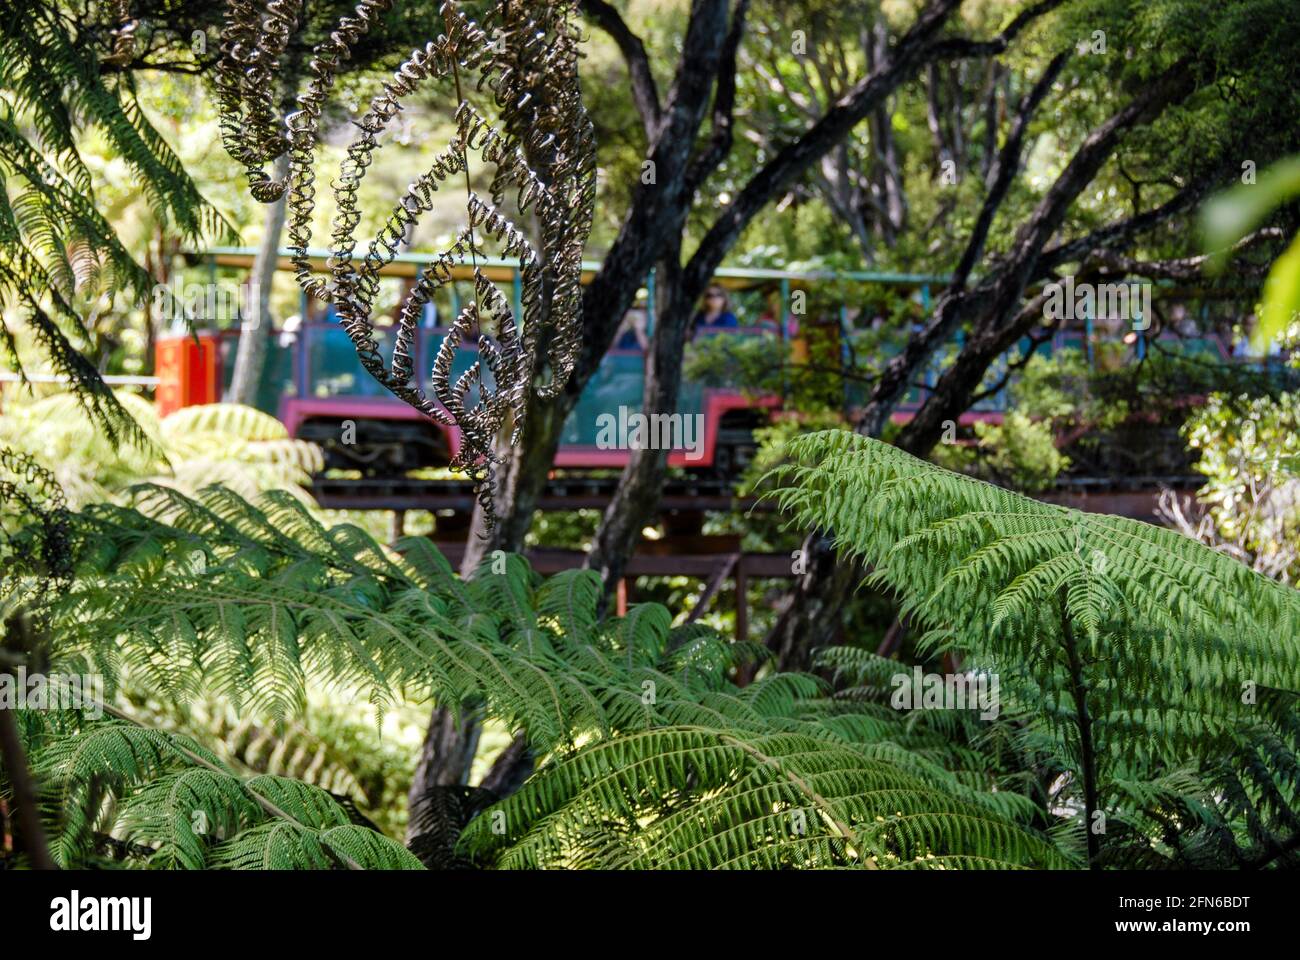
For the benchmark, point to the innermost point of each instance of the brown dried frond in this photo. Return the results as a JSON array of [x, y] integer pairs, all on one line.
[[123, 48], [542, 151]]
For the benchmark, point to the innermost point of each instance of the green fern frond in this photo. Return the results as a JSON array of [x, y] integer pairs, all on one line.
[[1168, 648], [164, 793], [699, 798], [54, 242]]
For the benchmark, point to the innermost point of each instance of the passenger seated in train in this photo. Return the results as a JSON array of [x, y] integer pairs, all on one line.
[[715, 313], [631, 333]]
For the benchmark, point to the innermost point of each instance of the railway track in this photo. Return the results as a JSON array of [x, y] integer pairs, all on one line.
[[1128, 496]]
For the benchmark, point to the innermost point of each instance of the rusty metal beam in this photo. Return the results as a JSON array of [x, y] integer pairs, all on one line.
[[701, 565]]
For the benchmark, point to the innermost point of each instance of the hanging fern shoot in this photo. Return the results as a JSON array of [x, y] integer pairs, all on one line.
[[542, 151]]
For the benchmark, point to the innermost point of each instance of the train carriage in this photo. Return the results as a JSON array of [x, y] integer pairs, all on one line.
[[314, 383]]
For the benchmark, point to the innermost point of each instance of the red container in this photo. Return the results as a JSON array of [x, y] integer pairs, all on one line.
[[189, 371]]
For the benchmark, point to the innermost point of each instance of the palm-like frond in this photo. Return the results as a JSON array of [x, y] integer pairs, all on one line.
[[164, 793], [54, 244], [649, 756], [704, 798], [1119, 638], [254, 601], [221, 443]]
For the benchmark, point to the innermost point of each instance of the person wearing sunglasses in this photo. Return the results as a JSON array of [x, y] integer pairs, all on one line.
[[715, 312]]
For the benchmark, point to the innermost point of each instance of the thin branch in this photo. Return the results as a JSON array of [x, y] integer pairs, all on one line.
[[1181, 268], [645, 93], [1034, 307], [962, 47], [1001, 292], [1006, 166], [1121, 231]]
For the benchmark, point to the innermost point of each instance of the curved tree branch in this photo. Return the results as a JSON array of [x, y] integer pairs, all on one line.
[[961, 47], [724, 104], [999, 295], [645, 94], [952, 306]]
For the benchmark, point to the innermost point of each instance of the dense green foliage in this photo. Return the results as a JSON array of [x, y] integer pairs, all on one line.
[[1144, 685], [648, 756], [1247, 448], [1139, 654], [252, 602], [58, 253]]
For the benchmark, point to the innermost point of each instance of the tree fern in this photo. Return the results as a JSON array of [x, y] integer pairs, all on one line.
[[248, 601], [649, 756], [256, 601], [236, 446], [246, 743], [1138, 649], [165, 793], [55, 246], [703, 798]]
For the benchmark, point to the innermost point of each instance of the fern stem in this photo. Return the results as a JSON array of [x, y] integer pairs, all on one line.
[[1088, 758]]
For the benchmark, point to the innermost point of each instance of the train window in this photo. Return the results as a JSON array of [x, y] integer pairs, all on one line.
[[333, 368]]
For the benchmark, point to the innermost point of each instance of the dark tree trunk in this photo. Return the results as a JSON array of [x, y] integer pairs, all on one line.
[[28, 834], [999, 298], [510, 769], [801, 628], [654, 223], [656, 218], [20, 636], [678, 167], [446, 754], [520, 480], [641, 484], [637, 495]]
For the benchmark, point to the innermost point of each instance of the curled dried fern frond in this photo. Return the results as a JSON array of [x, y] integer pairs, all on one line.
[[542, 152], [123, 35]]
